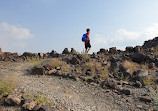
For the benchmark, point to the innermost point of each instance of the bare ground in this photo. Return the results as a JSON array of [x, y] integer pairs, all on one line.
[[72, 95]]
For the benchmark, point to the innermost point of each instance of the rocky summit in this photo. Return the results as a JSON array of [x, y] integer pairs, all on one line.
[[109, 80]]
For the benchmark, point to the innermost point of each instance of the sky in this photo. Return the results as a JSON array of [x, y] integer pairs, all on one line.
[[46, 25]]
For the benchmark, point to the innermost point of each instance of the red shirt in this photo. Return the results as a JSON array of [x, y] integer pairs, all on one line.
[[88, 40]]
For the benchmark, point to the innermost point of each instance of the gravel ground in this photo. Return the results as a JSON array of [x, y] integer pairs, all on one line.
[[72, 95]]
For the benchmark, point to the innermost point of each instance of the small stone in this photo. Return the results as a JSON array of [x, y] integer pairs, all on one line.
[[145, 98], [47, 108], [126, 91], [13, 100], [52, 71], [138, 84], [29, 105]]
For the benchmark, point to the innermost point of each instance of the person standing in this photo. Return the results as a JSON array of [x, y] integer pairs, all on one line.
[[87, 42]]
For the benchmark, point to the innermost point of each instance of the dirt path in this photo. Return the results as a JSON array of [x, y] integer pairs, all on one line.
[[76, 96]]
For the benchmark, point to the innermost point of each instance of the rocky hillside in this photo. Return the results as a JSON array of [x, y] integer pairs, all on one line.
[[107, 80]]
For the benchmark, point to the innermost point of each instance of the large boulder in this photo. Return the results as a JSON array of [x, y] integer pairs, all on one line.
[[29, 54], [139, 75], [112, 50], [41, 54], [138, 57], [38, 70], [102, 51], [29, 105], [13, 100], [137, 49], [74, 61], [54, 54], [73, 51], [129, 49], [150, 43], [66, 51]]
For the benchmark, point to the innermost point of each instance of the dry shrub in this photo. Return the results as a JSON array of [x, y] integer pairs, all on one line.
[[144, 67], [131, 66], [93, 65], [79, 69], [7, 85], [105, 74], [88, 77], [85, 56], [54, 62], [66, 67], [147, 80], [41, 99]]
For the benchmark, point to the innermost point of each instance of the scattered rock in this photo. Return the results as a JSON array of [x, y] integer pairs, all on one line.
[[73, 51], [112, 50], [47, 108], [29, 105], [38, 70], [13, 100], [29, 54], [54, 54], [138, 57], [137, 49], [138, 84], [126, 91], [74, 61], [103, 51], [52, 71], [66, 51], [151, 65], [145, 98], [41, 55], [129, 49]]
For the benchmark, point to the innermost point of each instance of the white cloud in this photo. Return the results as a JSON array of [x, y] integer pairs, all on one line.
[[13, 38], [122, 38]]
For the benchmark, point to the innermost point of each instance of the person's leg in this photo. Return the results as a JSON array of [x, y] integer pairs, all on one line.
[[86, 47], [89, 49]]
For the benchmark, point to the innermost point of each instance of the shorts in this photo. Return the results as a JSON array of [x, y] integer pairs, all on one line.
[[87, 45]]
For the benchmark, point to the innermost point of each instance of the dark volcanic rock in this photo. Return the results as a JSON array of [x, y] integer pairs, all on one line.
[[126, 91], [138, 84], [54, 54], [29, 54], [38, 70], [66, 51], [74, 61], [129, 49], [73, 51], [145, 98], [138, 57], [13, 100], [103, 51], [112, 50], [41, 55], [47, 108], [150, 43], [137, 49]]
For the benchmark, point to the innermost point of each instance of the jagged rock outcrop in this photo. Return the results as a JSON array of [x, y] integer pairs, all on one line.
[[73, 51], [150, 43], [66, 51], [102, 51], [112, 50]]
